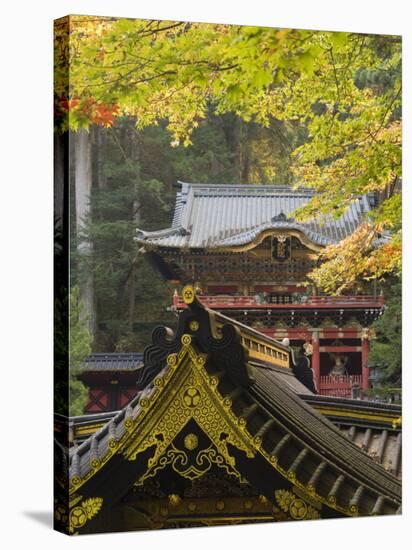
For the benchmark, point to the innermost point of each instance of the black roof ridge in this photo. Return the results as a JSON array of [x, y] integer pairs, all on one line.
[[113, 353]]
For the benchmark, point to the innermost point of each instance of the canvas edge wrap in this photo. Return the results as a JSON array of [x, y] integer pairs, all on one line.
[[61, 28]]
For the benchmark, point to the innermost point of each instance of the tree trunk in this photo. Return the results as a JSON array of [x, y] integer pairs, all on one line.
[[83, 187], [134, 142], [100, 139], [243, 154], [60, 175], [132, 296]]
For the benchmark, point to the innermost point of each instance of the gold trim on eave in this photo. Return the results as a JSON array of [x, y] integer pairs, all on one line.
[[268, 233], [358, 414]]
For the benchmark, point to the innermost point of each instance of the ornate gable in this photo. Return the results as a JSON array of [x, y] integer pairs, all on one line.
[[211, 406]]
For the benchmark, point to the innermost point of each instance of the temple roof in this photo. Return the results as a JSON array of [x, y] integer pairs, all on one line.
[[103, 362], [205, 379], [369, 425], [216, 216]]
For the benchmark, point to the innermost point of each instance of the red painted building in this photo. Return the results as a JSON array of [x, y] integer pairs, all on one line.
[[112, 380], [249, 258]]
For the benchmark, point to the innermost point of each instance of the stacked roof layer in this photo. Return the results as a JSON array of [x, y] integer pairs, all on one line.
[[215, 216]]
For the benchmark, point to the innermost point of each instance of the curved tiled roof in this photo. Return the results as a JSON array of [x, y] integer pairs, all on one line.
[[296, 441], [112, 362], [215, 216], [376, 438]]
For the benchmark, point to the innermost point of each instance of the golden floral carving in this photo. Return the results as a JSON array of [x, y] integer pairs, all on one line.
[[194, 326], [296, 507], [79, 515], [192, 398], [191, 441], [181, 464]]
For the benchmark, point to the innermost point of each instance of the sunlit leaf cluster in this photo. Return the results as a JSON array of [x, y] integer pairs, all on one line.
[[344, 89]]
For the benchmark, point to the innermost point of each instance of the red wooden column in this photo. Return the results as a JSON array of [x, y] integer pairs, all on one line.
[[176, 298], [365, 353], [316, 359]]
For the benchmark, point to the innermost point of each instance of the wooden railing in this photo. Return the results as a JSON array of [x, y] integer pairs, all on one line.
[[301, 302], [347, 300], [339, 385]]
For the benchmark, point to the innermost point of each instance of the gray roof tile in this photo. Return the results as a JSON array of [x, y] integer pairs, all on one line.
[[212, 216], [113, 362]]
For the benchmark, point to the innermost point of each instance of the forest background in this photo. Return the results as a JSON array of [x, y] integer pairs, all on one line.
[[149, 103]]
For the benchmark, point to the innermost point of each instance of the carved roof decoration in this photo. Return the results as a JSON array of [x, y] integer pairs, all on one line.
[[225, 216], [207, 403], [374, 427]]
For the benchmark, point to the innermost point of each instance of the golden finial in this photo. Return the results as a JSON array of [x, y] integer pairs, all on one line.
[[188, 294]]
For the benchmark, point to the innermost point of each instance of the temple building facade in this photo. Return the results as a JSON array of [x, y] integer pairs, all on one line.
[[224, 430], [111, 379], [248, 259]]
